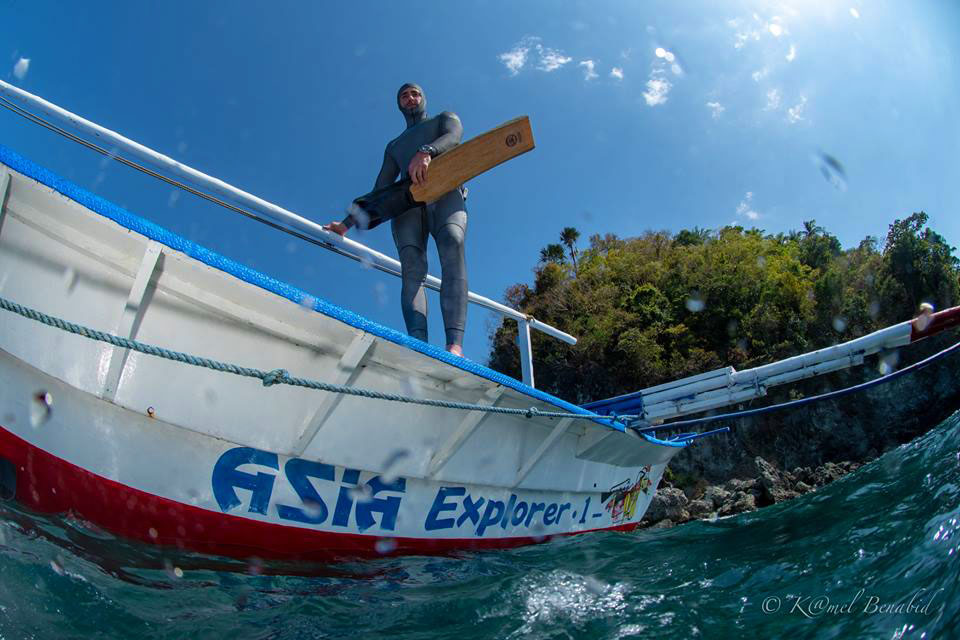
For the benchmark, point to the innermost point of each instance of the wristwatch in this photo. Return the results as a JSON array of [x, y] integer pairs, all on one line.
[[429, 149]]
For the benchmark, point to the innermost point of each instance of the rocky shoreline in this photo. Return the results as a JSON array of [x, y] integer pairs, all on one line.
[[672, 505]]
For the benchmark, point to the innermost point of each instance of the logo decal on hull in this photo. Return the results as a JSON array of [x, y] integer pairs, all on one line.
[[314, 493], [362, 504], [621, 500]]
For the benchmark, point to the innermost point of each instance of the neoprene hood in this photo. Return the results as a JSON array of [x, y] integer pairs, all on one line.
[[417, 114]]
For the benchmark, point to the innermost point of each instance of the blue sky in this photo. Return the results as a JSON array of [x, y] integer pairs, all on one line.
[[647, 115]]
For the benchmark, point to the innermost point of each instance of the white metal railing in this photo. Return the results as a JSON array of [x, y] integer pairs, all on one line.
[[278, 214]]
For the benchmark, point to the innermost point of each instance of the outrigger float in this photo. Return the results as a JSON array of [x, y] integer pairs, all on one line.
[[141, 390]]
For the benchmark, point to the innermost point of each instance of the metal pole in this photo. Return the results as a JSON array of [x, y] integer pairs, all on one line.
[[526, 351]]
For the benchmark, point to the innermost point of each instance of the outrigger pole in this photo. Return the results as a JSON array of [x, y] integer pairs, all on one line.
[[727, 386], [289, 222]]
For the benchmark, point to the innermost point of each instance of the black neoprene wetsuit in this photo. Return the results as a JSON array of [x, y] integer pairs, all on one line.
[[445, 220]]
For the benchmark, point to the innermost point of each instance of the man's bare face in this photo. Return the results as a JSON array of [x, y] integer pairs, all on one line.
[[410, 98]]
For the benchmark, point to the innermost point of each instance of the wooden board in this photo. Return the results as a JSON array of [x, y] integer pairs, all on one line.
[[451, 169]]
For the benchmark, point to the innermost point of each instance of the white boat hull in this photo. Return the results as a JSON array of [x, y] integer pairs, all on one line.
[[179, 455]]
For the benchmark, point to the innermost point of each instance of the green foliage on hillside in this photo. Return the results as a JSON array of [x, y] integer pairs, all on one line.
[[658, 307]]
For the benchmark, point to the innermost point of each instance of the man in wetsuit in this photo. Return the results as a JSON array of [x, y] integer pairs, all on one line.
[[409, 154]]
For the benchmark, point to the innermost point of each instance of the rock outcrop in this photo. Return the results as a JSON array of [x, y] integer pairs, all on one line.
[[778, 456], [671, 505]]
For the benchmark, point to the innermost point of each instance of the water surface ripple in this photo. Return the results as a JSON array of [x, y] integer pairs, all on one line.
[[872, 555]]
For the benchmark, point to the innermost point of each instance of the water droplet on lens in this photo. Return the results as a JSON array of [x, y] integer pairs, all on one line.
[[839, 324], [313, 509], [172, 571], [832, 170], [41, 407], [385, 545], [389, 473], [695, 302], [380, 293], [732, 328], [255, 566], [308, 302], [888, 362], [152, 533], [411, 387], [69, 279], [595, 586], [761, 262], [210, 396], [361, 493]]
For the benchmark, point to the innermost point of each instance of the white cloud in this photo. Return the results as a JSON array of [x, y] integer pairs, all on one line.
[[795, 113], [760, 74], [588, 72], [744, 33], [21, 67], [792, 54], [745, 208], [657, 89], [773, 100], [658, 86], [716, 109], [515, 59], [854, 13], [547, 59], [551, 59], [616, 72]]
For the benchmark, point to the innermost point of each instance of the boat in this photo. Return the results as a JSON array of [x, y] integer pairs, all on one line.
[[170, 395]]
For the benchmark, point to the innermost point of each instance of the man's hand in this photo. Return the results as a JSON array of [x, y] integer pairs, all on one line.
[[418, 167], [337, 227]]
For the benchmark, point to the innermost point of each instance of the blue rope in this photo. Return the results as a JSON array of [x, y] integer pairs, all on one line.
[[277, 376], [802, 401], [688, 437]]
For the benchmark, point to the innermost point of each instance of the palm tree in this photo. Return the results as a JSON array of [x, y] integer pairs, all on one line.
[[552, 253], [569, 237]]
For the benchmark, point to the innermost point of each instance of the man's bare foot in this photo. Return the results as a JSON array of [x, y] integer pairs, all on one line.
[[337, 227], [455, 349]]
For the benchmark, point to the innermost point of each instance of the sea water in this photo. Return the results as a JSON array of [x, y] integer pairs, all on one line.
[[874, 555]]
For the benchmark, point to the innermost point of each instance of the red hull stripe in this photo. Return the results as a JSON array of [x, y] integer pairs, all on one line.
[[925, 326], [48, 484]]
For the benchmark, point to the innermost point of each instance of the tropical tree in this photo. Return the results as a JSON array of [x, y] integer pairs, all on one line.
[[919, 266], [553, 253], [569, 237], [659, 306]]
